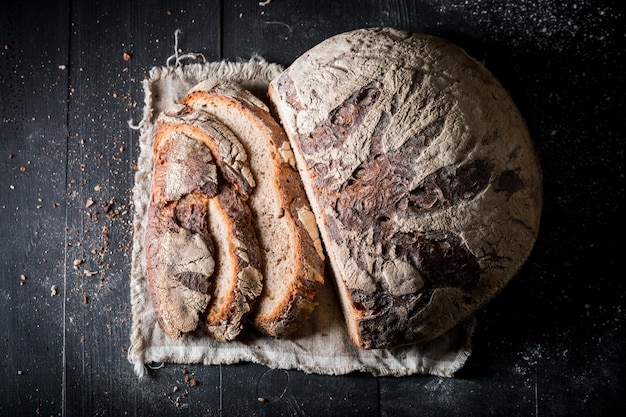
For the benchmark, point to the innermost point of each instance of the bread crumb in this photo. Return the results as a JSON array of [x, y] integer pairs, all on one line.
[[22, 279], [262, 399], [265, 3], [89, 202], [126, 56], [53, 291]]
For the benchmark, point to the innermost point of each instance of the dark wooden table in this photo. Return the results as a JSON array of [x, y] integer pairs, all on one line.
[[552, 343]]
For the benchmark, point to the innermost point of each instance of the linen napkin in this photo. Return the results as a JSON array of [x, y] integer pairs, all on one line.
[[321, 345]]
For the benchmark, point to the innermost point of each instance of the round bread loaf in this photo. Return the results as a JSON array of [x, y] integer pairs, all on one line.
[[421, 174]]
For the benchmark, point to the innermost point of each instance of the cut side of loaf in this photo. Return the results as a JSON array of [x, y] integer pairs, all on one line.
[[290, 245], [421, 174], [238, 265], [202, 254]]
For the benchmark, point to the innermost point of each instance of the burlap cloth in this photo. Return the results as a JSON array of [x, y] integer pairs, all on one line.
[[322, 345]]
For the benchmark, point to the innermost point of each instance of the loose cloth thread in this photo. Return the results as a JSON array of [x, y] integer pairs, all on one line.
[[322, 345]]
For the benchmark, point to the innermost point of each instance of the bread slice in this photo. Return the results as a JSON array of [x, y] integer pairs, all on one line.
[[422, 176], [238, 280], [290, 245], [180, 254], [203, 261]]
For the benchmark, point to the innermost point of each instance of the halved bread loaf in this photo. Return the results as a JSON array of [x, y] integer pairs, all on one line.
[[422, 176], [290, 246], [202, 253]]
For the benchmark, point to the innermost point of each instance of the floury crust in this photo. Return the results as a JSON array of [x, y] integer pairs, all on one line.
[[422, 176]]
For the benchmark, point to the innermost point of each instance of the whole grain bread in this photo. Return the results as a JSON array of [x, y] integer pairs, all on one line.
[[291, 250], [421, 174], [202, 254]]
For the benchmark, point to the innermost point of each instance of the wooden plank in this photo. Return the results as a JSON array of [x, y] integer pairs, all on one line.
[[280, 32], [33, 104], [258, 390], [98, 172], [113, 46], [154, 23]]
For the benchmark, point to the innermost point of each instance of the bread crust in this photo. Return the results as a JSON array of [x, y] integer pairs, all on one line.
[[225, 318], [274, 316], [173, 244], [422, 176], [200, 172]]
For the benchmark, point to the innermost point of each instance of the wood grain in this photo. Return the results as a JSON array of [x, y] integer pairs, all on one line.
[[33, 108], [550, 344]]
